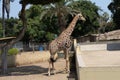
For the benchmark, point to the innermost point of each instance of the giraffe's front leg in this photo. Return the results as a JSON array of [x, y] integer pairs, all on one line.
[[49, 69], [67, 61], [51, 63], [67, 66], [53, 68]]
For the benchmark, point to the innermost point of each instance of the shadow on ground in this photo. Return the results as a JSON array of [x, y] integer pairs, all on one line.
[[73, 73], [26, 70]]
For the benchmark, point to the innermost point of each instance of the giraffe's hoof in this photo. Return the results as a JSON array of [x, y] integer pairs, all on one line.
[[66, 70], [53, 72], [48, 73]]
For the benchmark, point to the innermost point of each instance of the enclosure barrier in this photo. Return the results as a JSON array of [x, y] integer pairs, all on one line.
[[98, 61]]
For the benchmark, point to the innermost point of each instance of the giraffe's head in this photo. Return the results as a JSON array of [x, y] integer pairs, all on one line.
[[81, 17]]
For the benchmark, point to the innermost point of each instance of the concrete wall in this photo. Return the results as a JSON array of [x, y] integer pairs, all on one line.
[[100, 46], [96, 73], [99, 73], [91, 47]]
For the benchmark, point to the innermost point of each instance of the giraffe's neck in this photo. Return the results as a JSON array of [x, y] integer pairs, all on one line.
[[71, 26]]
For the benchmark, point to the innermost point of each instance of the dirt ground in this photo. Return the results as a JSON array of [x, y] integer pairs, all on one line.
[[36, 71]]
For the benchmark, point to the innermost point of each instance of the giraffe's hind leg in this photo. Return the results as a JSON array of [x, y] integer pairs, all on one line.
[[49, 68]]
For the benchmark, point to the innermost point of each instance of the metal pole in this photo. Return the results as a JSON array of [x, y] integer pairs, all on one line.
[[3, 17]]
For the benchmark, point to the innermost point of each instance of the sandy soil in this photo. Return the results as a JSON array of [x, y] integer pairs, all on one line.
[[36, 71]]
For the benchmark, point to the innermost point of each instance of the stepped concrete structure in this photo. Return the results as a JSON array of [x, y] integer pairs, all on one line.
[[98, 61]]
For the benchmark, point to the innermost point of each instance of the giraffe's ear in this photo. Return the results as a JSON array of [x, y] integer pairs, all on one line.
[[73, 14]]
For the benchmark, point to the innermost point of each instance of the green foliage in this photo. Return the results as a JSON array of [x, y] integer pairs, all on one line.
[[65, 8], [57, 14], [34, 11], [50, 36], [110, 26], [35, 27], [59, 10], [103, 19], [13, 51], [12, 27], [114, 7], [88, 9], [38, 30]]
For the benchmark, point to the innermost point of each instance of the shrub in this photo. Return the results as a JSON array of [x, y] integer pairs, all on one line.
[[13, 51]]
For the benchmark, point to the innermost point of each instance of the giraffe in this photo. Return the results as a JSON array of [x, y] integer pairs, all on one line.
[[63, 42]]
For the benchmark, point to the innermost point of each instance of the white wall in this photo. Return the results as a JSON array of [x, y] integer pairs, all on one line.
[[100, 46]]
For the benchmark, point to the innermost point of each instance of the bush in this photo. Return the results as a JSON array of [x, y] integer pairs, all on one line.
[[13, 51]]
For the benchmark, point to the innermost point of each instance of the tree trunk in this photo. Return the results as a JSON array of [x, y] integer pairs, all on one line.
[[33, 47], [3, 17], [7, 45], [61, 22], [4, 60]]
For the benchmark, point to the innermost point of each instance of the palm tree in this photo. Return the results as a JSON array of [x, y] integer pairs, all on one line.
[[60, 10]]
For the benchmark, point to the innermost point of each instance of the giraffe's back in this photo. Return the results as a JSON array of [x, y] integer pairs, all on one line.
[[61, 43], [64, 41]]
